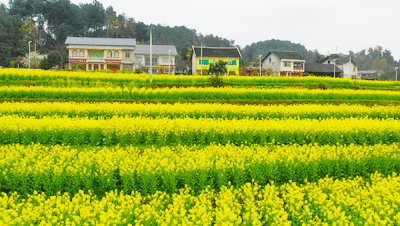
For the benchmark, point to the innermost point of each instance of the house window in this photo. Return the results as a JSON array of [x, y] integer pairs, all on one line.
[[148, 61], [127, 54], [116, 54], [286, 64], [109, 54], [232, 62], [298, 65], [101, 66], [81, 53], [269, 60], [273, 63], [203, 62], [165, 60], [74, 53], [329, 61]]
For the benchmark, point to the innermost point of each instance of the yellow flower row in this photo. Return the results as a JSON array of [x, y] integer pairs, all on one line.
[[197, 110], [328, 202], [162, 125], [55, 160], [192, 91], [175, 79], [164, 131]]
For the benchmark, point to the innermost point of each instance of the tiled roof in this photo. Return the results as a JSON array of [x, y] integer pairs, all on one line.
[[321, 68], [232, 52], [156, 49], [288, 55], [101, 41], [338, 59]]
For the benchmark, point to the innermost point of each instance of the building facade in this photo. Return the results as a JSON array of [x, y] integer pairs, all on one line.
[[204, 56], [284, 63], [346, 64], [119, 54], [163, 58]]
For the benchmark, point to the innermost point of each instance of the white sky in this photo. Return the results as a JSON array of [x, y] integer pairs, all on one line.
[[317, 24]]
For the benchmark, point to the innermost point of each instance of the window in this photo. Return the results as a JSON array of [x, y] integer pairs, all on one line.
[[148, 61], [203, 62], [269, 60], [232, 62], [81, 53], [329, 61], [127, 54], [298, 65], [286, 64], [164, 60], [74, 53], [109, 54], [101, 66], [116, 54]]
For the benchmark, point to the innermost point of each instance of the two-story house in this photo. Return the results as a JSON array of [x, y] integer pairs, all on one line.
[[202, 57], [284, 63], [346, 64], [119, 54], [163, 58], [101, 53]]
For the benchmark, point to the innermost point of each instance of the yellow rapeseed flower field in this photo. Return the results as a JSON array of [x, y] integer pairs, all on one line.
[[373, 201]]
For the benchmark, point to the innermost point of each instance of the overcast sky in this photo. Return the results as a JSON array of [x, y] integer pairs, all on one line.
[[327, 26]]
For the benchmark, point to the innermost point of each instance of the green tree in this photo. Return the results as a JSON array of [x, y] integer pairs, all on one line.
[[94, 17], [217, 69], [12, 42]]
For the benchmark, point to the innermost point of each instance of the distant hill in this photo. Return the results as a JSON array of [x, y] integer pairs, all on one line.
[[251, 52]]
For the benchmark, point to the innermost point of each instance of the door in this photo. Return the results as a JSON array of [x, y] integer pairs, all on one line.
[[96, 67]]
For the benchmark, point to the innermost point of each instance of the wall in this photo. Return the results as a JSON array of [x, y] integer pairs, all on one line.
[[275, 64], [208, 60]]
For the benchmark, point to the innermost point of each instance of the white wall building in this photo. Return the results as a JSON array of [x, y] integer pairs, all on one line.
[[119, 54], [346, 64], [284, 63]]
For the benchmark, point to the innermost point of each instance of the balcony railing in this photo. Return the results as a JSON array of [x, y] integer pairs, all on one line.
[[95, 58]]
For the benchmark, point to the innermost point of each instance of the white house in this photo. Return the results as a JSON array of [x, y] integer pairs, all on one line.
[[346, 64], [163, 58], [119, 54], [284, 63]]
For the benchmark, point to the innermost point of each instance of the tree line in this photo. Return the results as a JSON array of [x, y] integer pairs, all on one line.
[[47, 24]]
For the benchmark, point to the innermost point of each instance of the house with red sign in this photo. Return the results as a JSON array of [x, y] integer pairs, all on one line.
[[284, 63], [119, 54]]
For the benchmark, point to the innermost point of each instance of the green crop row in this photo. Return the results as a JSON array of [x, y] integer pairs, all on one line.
[[192, 94]]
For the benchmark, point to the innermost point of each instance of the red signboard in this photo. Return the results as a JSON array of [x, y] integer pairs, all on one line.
[[77, 60], [117, 61]]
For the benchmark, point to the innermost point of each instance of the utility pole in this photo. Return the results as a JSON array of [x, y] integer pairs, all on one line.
[[201, 59], [151, 56], [29, 57]]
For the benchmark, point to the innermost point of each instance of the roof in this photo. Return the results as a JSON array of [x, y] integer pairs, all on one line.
[[100, 41], [321, 68], [156, 49], [288, 55], [339, 59], [232, 52]]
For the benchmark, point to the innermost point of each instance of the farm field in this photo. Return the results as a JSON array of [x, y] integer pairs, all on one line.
[[97, 148]]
